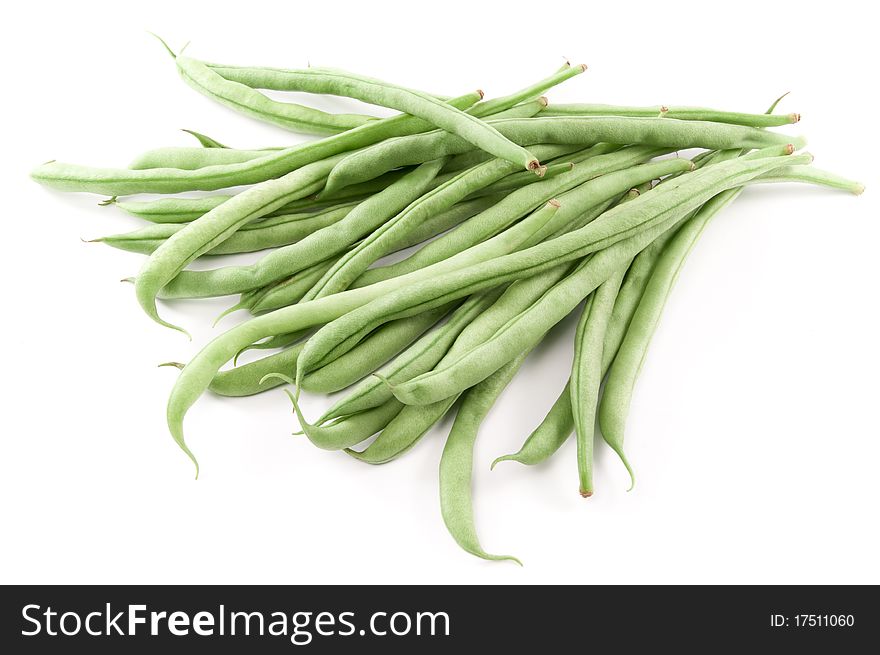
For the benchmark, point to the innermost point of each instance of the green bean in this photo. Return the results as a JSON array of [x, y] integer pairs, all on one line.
[[398, 295], [249, 379], [418, 358], [584, 130], [811, 175], [192, 158], [349, 430], [457, 460], [249, 102], [586, 373], [268, 233], [403, 432], [316, 247], [169, 210], [523, 110], [207, 232], [623, 372], [548, 437], [422, 105], [682, 113], [490, 107], [602, 174], [624, 224], [120, 182]]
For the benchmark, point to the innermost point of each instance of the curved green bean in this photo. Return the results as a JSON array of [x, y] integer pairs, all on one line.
[[267, 233], [457, 460], [422, 105], [585, 130], [249, 102], [120, 182]]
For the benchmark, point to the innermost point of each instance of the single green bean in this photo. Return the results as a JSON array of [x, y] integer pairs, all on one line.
[[119, 182], [682, 113], [457, 460], [249, 102], [169, 210], [583, 130], [422, 105], [259, 235], [349, 430], [490, 107]]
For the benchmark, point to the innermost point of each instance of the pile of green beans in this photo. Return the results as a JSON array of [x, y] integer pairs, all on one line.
[[514, 213]]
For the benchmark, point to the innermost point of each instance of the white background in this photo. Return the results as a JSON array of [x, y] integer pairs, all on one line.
[[754, 426]]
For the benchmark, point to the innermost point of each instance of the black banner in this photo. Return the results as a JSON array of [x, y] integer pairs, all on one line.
[[338, 619]]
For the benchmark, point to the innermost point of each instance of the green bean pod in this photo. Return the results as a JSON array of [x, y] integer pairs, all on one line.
[[169, 210], [349, 430], [457, 460], [421, 105], [120, 182], [677, 112], [267, 233], [583, 130], [249, 102]]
